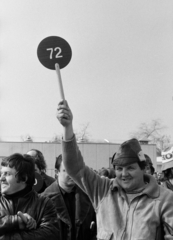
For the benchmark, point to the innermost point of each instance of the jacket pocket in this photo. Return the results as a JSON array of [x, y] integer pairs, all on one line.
[[104, 235]]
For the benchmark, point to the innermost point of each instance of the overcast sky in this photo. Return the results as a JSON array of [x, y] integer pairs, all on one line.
[[120, 74]]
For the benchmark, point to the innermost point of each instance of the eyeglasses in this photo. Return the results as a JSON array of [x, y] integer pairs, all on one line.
[[7, 174]]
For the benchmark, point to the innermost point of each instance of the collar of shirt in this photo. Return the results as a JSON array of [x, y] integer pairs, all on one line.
[[64, 192]]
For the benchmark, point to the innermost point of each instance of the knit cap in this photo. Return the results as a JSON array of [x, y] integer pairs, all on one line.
[[129, 152]]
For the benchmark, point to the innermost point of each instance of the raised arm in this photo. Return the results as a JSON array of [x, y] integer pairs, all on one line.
[[88, 180], [65, 117]]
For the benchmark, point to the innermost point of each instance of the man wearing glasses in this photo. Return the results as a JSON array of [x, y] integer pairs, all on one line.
[[23, 213]]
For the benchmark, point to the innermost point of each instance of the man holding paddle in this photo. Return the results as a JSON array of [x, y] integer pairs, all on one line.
[[132, 206], [24, 215]]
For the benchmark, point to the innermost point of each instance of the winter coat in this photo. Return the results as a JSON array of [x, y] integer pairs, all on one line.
[[47, 181], [143, 218], [38, 207], [84, 214]]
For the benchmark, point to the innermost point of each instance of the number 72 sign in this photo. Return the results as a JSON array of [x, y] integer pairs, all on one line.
[[53, 50]]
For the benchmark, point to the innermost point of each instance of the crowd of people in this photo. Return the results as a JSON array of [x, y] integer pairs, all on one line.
[[128, 201]]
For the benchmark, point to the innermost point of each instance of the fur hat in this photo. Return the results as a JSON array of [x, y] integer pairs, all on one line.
[[129, 152]]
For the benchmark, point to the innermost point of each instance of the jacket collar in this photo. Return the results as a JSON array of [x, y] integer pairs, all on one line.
[[47, 179], [152, 188], [19, 194], [53, 192], [82, 203]]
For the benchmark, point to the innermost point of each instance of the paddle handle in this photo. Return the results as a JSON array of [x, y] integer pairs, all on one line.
[[59, 81]]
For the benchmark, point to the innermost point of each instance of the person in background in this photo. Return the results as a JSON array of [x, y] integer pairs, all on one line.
[[74, 209], [103, 172], [107, 172], [24, 215], [131, 206], [155, 175], [111, 173], [160, 177], [167, 168], [40, 167], [149, 169]]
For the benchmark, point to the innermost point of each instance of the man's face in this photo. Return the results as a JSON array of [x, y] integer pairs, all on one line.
[[63, 178], [9, 184], [130, 177]]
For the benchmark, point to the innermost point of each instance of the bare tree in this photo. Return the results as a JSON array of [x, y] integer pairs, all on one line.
[[153, 131], [83, 135], [56, 138]]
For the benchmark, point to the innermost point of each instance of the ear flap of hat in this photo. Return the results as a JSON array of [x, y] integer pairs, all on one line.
[[112, 160], [128, 153], [148, 160]]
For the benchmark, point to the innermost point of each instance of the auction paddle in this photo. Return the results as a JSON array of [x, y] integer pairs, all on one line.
[[55, 53], [59, 81]]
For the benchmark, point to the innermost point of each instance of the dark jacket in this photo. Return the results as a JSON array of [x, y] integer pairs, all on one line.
[[47, 181], [84, 214], [38, 207]]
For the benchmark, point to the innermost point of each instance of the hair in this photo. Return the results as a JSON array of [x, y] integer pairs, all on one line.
[[39, 160], [107, 172], [148, 160], [152, 170], [23, 164], [104, 172], [142, 164], [58, 162], [168, 174], [112, 173], [149, 164]]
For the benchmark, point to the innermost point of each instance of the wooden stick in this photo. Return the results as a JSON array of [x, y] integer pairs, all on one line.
[[59, 81]]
